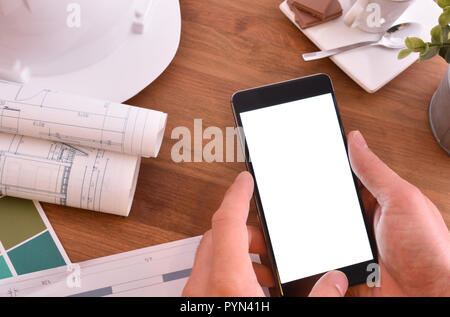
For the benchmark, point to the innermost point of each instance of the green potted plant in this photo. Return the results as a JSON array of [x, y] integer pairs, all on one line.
[[439, 111]]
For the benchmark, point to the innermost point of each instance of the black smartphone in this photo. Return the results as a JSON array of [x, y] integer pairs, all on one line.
[[306, 194]]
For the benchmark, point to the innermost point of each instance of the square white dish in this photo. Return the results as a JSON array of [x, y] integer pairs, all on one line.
[[371, 67]]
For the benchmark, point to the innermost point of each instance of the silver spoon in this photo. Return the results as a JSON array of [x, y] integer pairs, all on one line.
[[393, 38]]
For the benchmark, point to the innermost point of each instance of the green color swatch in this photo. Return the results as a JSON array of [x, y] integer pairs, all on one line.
[[38, 254], [19, 221], [4, 270]]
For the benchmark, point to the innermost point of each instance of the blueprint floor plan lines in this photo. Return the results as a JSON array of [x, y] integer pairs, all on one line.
[[42, 173], [71, 150], [64, 174], [87, 122], [9, 118]]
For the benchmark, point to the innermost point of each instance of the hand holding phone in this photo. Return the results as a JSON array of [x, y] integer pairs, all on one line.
[[306, 195], [412, 237], [222, 264], [427, 247]]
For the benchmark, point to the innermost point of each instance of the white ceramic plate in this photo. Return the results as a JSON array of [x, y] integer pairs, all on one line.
[[371, 67], [132, 66]]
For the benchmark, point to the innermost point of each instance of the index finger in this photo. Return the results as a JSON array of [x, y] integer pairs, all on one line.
[[229, 223]]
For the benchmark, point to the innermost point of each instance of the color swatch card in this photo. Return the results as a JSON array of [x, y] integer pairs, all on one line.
[[27, 240]]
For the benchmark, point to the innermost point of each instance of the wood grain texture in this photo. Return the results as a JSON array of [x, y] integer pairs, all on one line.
[[228, 46]]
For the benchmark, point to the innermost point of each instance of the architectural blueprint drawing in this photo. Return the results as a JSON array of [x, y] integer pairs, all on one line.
[[73, 151], [42, 113], [63, 174]]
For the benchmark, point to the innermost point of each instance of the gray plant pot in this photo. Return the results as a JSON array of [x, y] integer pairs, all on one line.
[[439, 113]]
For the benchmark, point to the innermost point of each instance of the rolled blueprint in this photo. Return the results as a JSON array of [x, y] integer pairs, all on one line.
[[71, 150], [42, 113], [67, 175]]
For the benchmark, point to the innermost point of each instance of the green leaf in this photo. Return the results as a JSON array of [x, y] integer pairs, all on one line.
[[436, 34], [432, 52], [444, 18], [415, 44], [404, 53], [444, 3]]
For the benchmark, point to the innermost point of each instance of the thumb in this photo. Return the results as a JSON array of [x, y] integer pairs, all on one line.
[[332, 284], [376, 176]]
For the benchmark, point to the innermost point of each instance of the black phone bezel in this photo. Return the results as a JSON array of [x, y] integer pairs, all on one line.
[[280, 93]]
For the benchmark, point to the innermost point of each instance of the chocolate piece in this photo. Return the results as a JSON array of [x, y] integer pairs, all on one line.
[[317, 8], [306, 20]]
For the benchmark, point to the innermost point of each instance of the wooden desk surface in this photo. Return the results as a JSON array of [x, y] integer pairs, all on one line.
[[233, 45]]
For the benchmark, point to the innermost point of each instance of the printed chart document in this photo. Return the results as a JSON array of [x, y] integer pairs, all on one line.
[[70, 150], [160, 270]]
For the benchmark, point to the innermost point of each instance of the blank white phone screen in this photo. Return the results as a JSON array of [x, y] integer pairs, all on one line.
[[306, 187]]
